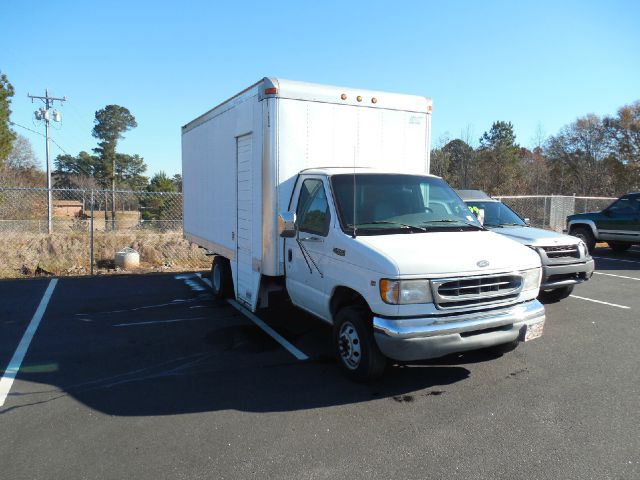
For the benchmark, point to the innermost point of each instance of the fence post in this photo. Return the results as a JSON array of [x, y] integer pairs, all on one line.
[[91, 235]]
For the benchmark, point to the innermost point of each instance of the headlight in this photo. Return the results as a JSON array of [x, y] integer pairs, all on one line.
[[531, 279], [400, 292], [582, 248]]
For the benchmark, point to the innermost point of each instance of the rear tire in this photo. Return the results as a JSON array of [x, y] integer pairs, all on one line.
[[584, 234], [619, 247], [356, 348], [555, 295], [221, 279]]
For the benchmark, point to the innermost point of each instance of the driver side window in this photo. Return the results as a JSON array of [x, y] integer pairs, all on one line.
[[313, 208], [624, 206]]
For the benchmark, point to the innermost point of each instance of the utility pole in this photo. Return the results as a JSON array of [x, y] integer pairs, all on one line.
[[43, 114]]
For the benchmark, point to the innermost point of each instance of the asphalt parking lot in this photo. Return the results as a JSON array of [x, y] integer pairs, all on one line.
[[150, 377]]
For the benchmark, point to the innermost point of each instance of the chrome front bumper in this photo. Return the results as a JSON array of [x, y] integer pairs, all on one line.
[[555, 276], [409, 339]]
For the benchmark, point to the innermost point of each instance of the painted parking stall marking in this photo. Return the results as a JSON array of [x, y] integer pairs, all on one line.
[[617, 276], [600, 302], [270, 331], [153, 322], [262, 325], [616, 259], [14, 364]]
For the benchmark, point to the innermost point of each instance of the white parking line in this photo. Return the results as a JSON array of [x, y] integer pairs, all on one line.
[[270, 331], [616, 259], [14, 365], [266, 328], [205, 280], [133, 324], [617, 276], [601, 302]]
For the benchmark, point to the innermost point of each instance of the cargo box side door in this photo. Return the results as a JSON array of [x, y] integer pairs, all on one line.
[[248, 274]]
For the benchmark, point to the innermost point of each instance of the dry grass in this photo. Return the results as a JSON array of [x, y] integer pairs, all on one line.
[[26, 254]]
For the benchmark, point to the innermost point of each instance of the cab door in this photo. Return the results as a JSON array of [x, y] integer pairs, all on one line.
[[306, 255]]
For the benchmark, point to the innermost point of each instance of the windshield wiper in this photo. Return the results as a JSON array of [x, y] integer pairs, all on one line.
[[460, 222], [386, 222]]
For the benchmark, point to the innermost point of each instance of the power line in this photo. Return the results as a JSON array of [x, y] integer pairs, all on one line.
[[41, 134]]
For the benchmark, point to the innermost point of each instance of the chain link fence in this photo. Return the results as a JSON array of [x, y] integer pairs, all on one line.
[[551, 211], [88, 228]]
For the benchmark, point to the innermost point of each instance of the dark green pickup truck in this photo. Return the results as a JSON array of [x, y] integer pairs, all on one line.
[[618, 224]]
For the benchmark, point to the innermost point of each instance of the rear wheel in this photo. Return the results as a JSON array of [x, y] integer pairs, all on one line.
[[221, 279], [619, 247], [356, 348], [555, 295], [584, 234]]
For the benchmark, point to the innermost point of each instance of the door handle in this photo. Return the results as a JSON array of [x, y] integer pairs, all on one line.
[[311, 239]]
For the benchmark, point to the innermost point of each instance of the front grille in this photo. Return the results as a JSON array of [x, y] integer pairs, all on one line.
[[562, 252], [470, 291]]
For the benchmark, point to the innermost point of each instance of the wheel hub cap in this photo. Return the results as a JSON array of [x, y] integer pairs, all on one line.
[[349, 346]]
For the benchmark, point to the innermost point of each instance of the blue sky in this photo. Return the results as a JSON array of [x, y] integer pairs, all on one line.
[[539, 64]]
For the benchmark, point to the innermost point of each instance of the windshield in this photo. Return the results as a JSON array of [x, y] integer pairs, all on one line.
[[497, 214], [396, 203]]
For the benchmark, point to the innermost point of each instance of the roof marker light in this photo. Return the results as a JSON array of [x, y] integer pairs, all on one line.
[[270, 91], [359, 98], [374, 100], [343, 96]]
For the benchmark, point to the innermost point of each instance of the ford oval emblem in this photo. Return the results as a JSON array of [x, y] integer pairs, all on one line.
[[483, 263]]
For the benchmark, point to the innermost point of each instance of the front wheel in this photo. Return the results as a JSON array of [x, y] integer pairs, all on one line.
[[356, 347], [585, 234], [619, 247], [555, 295]]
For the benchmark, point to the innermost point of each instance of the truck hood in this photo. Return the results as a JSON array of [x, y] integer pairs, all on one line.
[[535, 236], [438, 254]]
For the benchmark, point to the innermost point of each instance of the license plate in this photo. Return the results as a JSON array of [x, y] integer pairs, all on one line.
[[534, 331]]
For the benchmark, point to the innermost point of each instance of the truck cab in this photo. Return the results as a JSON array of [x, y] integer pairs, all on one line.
[[402, 270]]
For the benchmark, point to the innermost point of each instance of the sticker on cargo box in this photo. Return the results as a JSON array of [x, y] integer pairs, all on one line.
[[534, 331]]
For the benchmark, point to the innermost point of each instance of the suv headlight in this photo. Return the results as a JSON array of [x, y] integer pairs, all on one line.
[[400, 292], [531, 279]]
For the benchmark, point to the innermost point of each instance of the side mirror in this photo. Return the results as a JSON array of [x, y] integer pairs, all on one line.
[[607, 213], [287, 224], [527, 221]]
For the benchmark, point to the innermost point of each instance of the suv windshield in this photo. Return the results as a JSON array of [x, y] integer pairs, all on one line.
[[497, 214], [397, 203]]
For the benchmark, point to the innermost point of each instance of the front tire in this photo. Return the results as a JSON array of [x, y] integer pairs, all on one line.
[[585, 234], [619, 247], [555, 295], [221, 279], [356, 348]]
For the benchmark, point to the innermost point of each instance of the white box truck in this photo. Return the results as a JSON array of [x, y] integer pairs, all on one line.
[[324, 192]]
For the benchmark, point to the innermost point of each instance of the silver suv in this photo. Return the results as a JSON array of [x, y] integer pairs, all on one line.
[[565, 259]]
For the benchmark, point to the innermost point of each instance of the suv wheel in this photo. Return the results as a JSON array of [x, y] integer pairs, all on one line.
[[584, 234]]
